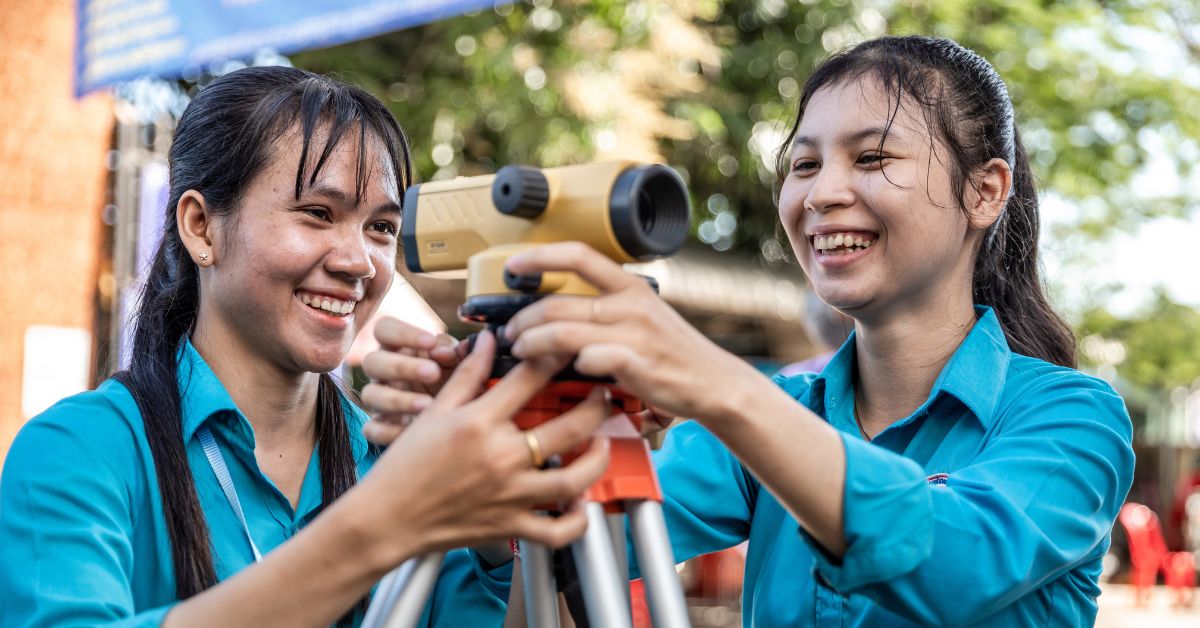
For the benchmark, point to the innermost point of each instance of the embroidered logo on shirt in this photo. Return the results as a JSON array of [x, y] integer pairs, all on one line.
[[938, 479]]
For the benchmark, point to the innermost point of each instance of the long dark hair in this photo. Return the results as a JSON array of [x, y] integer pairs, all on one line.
[[223, 140], [967, 106]]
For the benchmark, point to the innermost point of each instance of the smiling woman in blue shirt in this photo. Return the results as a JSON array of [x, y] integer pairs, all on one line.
[[217, 480], [949, 466]]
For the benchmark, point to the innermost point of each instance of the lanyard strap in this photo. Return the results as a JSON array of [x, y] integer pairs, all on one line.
[[217, 462]]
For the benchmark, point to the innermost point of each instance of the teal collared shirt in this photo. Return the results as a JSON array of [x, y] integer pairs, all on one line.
[[990, 505], [83, 539]]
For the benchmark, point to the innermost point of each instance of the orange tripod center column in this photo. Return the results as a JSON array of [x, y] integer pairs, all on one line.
[[630, 474]]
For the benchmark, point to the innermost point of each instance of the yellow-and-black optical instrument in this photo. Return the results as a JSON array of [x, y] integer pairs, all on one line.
[[627, 211]]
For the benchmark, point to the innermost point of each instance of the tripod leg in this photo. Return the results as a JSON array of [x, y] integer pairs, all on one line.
[[664, 594], [616, 532], [537, 576], [402, 594], [604, 589]]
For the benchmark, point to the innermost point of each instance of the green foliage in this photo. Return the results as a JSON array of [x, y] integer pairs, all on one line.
[[1159, 348], [1089, 103], [503, 86], [710, 86]]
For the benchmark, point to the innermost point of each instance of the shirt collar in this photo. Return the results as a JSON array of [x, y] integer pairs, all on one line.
[[974, 374], [204, 396], [201, 393]]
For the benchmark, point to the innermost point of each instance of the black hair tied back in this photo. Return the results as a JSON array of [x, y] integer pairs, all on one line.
[[223, 140]]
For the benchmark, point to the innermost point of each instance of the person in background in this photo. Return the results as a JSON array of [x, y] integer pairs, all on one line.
[[826, 327]]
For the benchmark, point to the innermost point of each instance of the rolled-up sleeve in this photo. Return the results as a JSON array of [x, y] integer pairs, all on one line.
[[1039, 500], [66, 524]]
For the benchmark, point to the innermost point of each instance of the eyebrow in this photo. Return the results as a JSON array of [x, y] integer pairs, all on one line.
[[341, 197], [845, 138]]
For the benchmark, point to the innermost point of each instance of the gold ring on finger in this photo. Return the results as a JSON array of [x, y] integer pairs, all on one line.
[[535, 449]]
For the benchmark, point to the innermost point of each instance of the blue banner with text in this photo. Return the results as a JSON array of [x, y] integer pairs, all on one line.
[[119, 40]]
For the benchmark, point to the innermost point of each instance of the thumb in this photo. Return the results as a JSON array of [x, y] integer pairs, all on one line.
[[468, 378]]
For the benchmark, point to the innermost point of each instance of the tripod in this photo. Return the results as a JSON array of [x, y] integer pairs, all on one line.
[[628, 487]]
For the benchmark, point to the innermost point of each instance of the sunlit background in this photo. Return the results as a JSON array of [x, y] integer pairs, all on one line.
[[1108, 102]]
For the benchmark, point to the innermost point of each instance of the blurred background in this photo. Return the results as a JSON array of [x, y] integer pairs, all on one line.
[[1108, 102]]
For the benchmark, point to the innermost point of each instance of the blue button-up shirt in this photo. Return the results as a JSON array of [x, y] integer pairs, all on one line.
[[991, 504], [83, 539]]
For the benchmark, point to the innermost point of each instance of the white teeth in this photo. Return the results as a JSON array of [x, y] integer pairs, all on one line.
[[830, 243], [333, 306]]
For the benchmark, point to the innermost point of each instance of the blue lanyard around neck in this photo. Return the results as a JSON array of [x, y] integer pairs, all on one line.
[[217, 462]]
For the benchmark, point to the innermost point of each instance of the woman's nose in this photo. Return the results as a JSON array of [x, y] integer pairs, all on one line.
[[830, 189], [351, 256]]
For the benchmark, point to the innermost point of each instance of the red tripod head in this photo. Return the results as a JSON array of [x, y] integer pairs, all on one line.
[[630, 474]]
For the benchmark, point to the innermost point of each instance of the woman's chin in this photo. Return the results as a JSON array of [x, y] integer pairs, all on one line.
[[323, 361], [846, 301]]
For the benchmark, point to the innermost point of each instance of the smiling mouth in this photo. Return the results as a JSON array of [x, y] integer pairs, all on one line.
[[336, 307], [842, 243]]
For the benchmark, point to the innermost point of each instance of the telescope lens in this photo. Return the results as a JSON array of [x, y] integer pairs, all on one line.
[[645, 211], [650, 211]]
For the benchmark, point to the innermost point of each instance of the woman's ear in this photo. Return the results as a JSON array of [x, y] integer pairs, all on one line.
[[195, 223], [989, 195]]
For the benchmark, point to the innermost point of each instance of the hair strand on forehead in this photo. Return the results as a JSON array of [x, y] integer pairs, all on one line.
[[967, 108]]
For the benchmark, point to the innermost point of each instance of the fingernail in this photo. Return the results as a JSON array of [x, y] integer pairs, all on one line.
[[475, 346], [428, 371], [420, 403]]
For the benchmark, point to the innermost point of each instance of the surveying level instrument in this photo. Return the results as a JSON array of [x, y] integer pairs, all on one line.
[[628, 212]]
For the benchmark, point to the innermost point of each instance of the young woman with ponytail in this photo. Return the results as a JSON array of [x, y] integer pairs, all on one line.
[[949, 466], [280, 242]]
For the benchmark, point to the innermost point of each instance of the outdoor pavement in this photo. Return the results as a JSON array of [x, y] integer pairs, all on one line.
[[1117, 610]]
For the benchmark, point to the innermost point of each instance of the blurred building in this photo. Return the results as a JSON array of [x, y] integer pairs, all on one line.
[[52, 195]]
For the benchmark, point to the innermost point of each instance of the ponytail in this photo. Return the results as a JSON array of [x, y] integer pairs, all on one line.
[[1007, 277], [167, 311]]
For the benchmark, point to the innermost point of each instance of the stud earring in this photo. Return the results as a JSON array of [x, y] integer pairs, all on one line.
[[204, 257]]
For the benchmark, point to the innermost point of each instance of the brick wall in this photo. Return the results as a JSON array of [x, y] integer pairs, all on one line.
[[52, 187]]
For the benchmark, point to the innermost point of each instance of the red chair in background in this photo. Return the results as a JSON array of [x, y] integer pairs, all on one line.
[[1148, 555]]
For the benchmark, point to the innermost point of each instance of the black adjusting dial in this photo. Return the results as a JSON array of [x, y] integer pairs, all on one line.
[[520, 191]]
